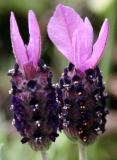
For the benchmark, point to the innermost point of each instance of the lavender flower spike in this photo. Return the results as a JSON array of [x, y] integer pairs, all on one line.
[[74, 37], [34, 105], [27, 56], [81, 90]]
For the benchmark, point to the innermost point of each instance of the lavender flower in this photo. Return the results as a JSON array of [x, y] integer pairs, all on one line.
[[81, 88], [33, 95]]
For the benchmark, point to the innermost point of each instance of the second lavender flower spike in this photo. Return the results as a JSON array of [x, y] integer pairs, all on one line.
[[81, 89]]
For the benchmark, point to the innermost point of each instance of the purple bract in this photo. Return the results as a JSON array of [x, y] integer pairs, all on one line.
[[73, 37], [27, 56]]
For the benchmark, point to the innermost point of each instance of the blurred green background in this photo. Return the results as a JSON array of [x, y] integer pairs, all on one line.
[[10, 146]]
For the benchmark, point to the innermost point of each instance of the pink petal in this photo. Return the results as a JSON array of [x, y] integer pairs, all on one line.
[[19, 49], [78, 47], [61, 27], [34, 46], [82, 43], [88, 39], [98, 47]]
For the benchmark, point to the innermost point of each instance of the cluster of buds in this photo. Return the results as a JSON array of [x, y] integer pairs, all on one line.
[[83, 104], [77, 104], [35, 108]]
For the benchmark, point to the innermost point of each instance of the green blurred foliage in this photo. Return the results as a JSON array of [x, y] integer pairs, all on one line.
[[10, 147]]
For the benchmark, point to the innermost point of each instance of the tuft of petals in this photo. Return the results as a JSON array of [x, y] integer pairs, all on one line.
[[61, 28], [34, 46], [98, 47], [27, 56], [18, 46], [73, 37]]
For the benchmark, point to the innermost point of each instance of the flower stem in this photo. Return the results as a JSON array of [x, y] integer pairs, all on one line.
[[82, 151], [44, 155]]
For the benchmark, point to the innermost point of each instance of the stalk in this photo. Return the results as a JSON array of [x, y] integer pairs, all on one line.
[[44, 155], [82, 151]]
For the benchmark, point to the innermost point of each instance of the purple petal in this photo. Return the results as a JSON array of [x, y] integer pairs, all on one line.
[[61, 27], [98, 47], [82, 43], [78, 48], [34, 46], [88, 39], [18, 46]]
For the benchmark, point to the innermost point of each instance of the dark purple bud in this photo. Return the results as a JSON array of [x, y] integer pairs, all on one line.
[[35, 108]]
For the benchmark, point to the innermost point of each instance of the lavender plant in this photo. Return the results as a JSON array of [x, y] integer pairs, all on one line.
[[77, 104], [81, 90]]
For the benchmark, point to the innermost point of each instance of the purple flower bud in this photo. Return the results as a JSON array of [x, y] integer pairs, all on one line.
[[33, 96], [35, 107], [81, 89]]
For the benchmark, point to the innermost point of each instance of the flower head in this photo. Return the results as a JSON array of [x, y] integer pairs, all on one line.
[[73, 37], [81, 90], [34, 104], [27, 56]]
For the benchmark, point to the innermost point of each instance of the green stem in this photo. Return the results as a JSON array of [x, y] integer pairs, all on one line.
[[44, 155], [82, 151]]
